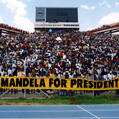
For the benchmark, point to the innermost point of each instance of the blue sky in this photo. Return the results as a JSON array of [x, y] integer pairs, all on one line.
[[92, 13]]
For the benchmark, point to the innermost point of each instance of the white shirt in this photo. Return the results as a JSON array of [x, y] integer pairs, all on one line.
[[56, 70], [64, 56], [2, 73], [71, 76], [110, 76], [9, 72], [49, 65], [105, 77], [13, 65]]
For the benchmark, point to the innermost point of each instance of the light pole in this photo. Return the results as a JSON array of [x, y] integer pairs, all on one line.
[[93, 73], [25, 75]]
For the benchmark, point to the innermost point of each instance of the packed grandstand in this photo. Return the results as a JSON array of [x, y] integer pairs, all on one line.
[[106, 27], [7, 27], [60, 54]]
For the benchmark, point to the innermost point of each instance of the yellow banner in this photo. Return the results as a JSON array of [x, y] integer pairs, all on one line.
[[57, 83]]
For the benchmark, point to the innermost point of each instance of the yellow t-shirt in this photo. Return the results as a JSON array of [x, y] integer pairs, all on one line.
[[51, 75]]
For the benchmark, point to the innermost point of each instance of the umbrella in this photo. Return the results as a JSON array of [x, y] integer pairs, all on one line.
[[58, 39]]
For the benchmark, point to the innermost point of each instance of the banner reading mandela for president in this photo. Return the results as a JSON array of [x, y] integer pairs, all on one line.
[[57, 83]]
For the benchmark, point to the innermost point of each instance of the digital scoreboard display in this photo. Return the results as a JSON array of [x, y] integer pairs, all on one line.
[[56, 14]]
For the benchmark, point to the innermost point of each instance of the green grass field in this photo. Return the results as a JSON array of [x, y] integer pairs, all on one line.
[[65, 100]]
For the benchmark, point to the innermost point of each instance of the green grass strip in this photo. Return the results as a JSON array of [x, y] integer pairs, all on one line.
[[64, 100]]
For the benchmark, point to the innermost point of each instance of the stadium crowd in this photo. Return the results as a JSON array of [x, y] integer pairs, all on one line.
[[74, 54], [60, 54]]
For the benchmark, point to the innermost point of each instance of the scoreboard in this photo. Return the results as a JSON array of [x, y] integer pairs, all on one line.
[[55, 15]]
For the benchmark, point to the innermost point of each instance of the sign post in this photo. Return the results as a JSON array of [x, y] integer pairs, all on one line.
[[93, 74], [25, 75]]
